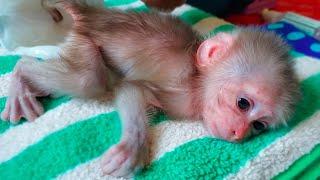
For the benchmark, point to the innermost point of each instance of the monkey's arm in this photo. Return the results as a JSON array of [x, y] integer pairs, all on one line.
[[129, 153]]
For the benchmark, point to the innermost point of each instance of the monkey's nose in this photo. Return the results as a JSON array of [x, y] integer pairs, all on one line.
[[239, 134]]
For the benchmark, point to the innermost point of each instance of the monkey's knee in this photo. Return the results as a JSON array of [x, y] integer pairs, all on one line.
[[23, 62], [92, 86]]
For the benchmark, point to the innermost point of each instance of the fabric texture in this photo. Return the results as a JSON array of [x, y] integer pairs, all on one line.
[[68, 141]]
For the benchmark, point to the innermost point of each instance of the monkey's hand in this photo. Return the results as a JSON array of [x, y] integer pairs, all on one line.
[[21, 102], [123, 159]]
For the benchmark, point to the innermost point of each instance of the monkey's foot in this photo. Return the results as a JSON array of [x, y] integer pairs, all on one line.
[[123, 159], [21, 103]]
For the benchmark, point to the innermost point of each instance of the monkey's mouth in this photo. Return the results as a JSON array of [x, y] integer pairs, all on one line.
[[213, 130]]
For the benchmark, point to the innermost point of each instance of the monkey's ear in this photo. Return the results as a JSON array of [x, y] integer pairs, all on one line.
[[213, 49]]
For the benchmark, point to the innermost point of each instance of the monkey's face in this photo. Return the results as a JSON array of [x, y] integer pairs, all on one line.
[[236, 109], [243, 80]]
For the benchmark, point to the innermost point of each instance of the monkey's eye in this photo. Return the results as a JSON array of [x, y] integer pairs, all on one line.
[[243, 104], [259, 125]]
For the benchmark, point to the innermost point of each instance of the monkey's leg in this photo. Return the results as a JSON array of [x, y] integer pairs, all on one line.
[[33, 78], [122, 159], [80, 71]]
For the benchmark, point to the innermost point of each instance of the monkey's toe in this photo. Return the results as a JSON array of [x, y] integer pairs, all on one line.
[[22, 106], [5, 115], [121, 160], [30, 107]]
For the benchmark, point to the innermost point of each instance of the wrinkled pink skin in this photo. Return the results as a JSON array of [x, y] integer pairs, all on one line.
[[231, 123], [220, 112]]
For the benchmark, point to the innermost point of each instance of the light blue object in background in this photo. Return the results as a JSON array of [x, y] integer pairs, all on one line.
[[275, 26], [293, 36], [315, 47]]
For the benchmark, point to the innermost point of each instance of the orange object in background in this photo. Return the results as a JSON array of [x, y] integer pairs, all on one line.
[[310, 8]]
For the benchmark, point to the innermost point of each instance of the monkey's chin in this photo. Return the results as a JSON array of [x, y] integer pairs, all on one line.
[[212, 131]]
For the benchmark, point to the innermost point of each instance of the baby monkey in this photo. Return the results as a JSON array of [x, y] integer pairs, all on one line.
[[238, 83]]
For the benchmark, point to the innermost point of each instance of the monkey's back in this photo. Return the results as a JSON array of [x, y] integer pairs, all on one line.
[[142, 46], [148, 47]]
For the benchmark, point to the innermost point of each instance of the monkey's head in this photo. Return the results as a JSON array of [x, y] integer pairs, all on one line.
[[248, 83]]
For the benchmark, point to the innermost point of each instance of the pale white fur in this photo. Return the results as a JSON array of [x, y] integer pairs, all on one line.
[[27, 23]]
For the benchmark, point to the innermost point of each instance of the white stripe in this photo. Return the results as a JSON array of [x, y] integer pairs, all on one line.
[[165, 137], [4, 84], [2, 51], [89, 170], [16, 139], [168, 135], [306, 66], [129, 6], [278, 156], [44, 52], [182, 9]]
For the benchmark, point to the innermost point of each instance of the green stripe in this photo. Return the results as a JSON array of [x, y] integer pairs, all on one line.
[[312, 172], [112, 3], [3, 125], [213, 158], [222, 28], [64, 149], [193, 16], [305, 165], [7, 63], [48, 104]]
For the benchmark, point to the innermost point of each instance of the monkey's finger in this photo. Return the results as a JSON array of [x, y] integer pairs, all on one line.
[[27, 110], [5, 112], [37, 107], [113, 162], [114, 150], [126, 169], [5, 115], [15, 110]]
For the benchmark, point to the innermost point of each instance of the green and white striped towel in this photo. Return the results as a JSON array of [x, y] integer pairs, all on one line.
[[67, 142]]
